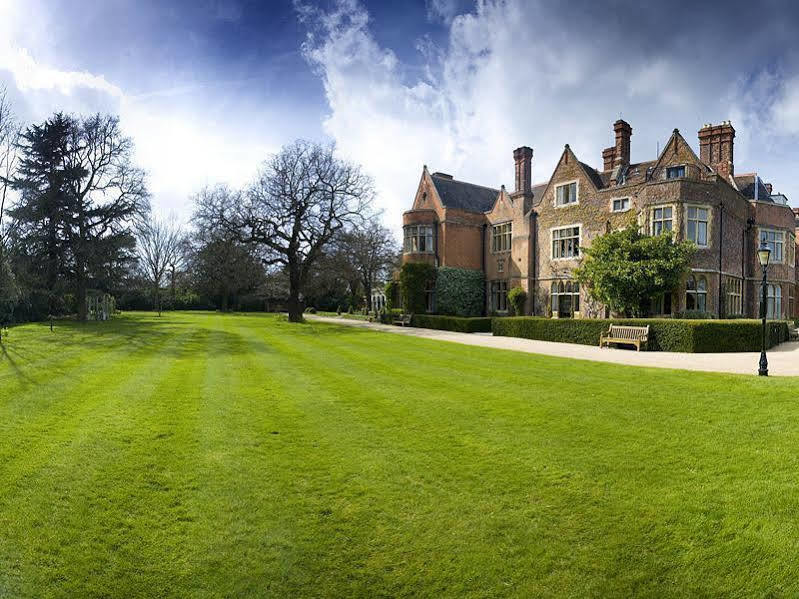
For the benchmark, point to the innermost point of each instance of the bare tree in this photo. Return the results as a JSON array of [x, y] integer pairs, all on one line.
[[9, 143], [372, 252], [158, 247], [106, 191], [302, 197]]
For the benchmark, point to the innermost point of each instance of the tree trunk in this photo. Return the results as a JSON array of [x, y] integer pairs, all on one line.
[[80, 292], [224, 301], [157, 298], [294, 305]]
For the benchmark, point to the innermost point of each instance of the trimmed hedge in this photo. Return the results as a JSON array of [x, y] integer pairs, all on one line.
[[665, 334], [452, 323], [459, 291]]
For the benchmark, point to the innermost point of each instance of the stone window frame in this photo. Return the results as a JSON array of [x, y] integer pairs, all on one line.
[[576, 201], [498, 293], [772, 260], [773, 301], [733, 295], [709, 209], [652, 217], [616, 199], [579, 241], [561, 288], [495, 236], [407, 239], [698, 293]]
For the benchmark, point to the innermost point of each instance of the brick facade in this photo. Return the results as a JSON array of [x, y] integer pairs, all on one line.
[[675, 188]]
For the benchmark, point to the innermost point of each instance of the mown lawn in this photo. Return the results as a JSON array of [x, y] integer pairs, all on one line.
[[211, 455]]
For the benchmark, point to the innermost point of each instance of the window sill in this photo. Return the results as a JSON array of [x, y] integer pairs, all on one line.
[[564, 259], [570, 204]]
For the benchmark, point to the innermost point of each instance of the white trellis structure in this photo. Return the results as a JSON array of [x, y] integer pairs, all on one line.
[[100, 306]]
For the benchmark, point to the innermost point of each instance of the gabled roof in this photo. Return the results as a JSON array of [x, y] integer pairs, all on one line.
[[592, 174], [746, 185], [464, 196]]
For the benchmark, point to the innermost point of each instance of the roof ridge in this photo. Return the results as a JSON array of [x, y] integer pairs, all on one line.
[[454, 180]]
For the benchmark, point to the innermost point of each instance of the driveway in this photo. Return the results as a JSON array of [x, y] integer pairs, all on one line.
[[782, 360]]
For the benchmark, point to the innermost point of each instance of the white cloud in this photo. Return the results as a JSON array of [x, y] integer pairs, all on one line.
[[517, 73], [185, 136]]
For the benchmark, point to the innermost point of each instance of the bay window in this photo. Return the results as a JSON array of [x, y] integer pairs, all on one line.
[[418, 239]]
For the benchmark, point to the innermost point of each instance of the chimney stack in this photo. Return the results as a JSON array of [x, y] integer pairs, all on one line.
[[618, 155], [716, 147], [523, 159]]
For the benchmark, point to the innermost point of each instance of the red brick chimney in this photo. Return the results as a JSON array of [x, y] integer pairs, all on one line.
[[523, 158], [716, 147], [619, 154]]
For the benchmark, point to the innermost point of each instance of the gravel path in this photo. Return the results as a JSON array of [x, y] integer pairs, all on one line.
[[783, 360]]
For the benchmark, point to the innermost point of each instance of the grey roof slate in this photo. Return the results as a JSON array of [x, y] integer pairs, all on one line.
[[464, 196]]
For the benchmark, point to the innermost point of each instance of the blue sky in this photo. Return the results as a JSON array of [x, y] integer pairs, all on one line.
[[208, 88]]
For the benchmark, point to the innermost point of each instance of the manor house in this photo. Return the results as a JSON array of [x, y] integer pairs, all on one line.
[[532, 236]]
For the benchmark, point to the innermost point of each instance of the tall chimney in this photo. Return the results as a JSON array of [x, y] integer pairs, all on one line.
[[623, 133], [523, 158], [619, 154], [716, 147]]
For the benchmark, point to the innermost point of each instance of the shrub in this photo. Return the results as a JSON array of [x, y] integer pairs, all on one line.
[[695, 315], [459, 291], [391, 292], [665, 334], [517, 298], [388, 316], [452, 323], [415, 278]]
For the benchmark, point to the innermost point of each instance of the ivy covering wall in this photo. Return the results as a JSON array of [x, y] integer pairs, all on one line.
[[414, 279], [460, 291]]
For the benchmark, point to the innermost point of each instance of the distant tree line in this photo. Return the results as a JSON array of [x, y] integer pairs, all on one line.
[[75, 219]]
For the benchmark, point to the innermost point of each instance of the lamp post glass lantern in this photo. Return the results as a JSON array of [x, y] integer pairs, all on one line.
[[763, 255]]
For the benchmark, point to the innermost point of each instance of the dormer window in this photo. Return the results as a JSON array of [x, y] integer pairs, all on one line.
[[675, 172], [566, 194]]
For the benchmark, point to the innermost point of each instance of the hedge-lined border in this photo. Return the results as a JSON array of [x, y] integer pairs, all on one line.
[[687, 336], [452, 323]]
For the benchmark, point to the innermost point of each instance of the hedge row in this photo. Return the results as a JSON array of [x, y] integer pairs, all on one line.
[[692, 336], [452, 323]]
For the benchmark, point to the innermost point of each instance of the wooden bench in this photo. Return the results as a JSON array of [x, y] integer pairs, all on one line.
[[404, 320], [628, 335]]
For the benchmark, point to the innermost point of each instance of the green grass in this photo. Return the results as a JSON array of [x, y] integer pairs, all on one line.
[[347, 315], [230, 455]]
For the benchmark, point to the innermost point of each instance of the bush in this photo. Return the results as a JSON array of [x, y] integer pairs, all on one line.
[[517, 298], [459, 291], [695, 315], [452, 323], [665, 334], [415, 277], [388, 316], [390, 292]]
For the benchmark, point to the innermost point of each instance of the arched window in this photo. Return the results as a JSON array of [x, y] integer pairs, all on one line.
[[696, 293]]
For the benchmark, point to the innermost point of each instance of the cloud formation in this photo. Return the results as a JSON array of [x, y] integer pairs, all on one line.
[[543, 74]]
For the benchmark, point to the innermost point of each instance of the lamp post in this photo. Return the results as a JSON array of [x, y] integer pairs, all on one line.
[[763, 254]]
